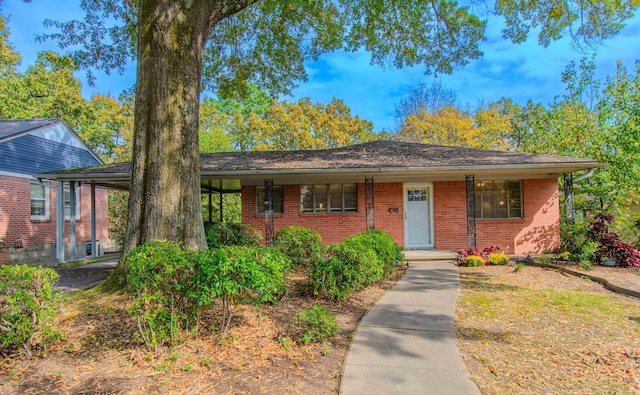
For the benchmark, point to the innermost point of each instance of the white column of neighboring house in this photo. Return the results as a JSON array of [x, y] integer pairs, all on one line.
[[72, 219], [94, 247], [60, 222]]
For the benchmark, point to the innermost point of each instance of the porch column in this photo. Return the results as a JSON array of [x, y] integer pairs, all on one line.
[[471, 210], [368, 196], [72, 219], [60, 222], [268, 211], [94, 247], [221, 210], [569, 212], [210, 207]]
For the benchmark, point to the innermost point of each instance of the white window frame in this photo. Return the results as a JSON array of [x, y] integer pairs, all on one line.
[[47, 213], [67, 188]]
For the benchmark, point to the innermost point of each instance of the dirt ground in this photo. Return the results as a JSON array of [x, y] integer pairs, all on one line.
[[532, 331], [102, 353]]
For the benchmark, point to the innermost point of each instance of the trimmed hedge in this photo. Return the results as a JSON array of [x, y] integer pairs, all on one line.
[[358, 261], [221, 234], [382, 243], [300, 244]]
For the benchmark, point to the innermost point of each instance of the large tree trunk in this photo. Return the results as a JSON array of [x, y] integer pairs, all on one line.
[[164, 198]]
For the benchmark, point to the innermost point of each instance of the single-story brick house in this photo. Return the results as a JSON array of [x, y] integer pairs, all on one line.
[[32, 230], [425, 196]]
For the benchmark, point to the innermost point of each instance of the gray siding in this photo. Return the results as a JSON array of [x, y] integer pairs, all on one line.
[[32, 155]]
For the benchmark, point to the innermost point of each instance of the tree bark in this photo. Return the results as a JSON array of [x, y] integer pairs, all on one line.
[[164, 198]]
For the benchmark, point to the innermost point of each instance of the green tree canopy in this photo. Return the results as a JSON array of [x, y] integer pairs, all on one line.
[[184, 45]]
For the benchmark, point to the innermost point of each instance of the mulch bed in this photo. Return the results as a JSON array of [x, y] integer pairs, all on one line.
[[102, 354]]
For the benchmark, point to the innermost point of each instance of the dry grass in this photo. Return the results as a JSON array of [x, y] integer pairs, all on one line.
[[538, 331]]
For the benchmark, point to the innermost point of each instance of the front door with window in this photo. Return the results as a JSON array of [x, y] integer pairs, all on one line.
[[418, 216]]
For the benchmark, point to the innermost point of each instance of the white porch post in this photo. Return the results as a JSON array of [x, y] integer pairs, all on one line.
[[94, 247], [60, 222], [72, 219]]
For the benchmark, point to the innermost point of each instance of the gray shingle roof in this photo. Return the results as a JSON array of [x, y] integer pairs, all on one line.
[[373, 155]]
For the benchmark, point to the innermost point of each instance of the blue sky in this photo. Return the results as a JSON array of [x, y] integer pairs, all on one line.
[[521, 72]]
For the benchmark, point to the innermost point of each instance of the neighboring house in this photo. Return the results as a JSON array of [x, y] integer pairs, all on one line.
[[425, 196], [32, 227]]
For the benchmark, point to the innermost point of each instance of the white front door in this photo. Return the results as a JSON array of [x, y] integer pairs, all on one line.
[[418, 216]]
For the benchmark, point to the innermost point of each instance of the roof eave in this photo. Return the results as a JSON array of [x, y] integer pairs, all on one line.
[[566, 167]]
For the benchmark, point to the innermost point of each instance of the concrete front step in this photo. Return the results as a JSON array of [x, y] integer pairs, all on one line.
[[430, 255]]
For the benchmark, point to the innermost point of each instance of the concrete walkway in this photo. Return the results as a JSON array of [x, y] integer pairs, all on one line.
[[406, 343]]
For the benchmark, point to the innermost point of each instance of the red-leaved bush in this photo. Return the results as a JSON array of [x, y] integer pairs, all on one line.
[[611, 246]]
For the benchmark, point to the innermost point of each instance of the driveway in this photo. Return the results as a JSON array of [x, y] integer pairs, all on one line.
[[85, 276]]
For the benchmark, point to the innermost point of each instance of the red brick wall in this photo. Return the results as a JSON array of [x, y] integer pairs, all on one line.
[[17, 227], [537, 232], [332, 227]]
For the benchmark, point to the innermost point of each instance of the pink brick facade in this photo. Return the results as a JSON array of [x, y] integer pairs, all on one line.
[[537, 232], [18, 229]]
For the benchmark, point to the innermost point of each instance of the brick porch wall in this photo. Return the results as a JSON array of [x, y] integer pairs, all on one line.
[[333, 227], [16, 225], [537, 232]]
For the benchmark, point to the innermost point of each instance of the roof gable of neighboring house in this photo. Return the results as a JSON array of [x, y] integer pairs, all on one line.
[[39, 145]]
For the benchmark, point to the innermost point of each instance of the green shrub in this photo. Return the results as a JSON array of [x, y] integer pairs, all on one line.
[[171, 285], [472, 260], [573, 236], [564, 256], [220, 234], [497, 258], [382, 243], [160, 274], [298, 243], [319, 325], [345, 269], [28, 304], [586, 252]]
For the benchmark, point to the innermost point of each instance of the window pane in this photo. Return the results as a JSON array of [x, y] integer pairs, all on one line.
[[259, 199], [350, 197], [37, 191], [37, 207], [498, 199], [335, 197], [306, 198], [321, 193], [67, 201], [277, 199]]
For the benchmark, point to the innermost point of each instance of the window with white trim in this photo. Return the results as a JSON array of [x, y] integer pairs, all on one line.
[[498, 199], [278, 200], [67, 201], [39, 201], [328, 198]]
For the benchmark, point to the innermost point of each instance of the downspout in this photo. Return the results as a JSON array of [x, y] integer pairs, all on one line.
[[585, 175]]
